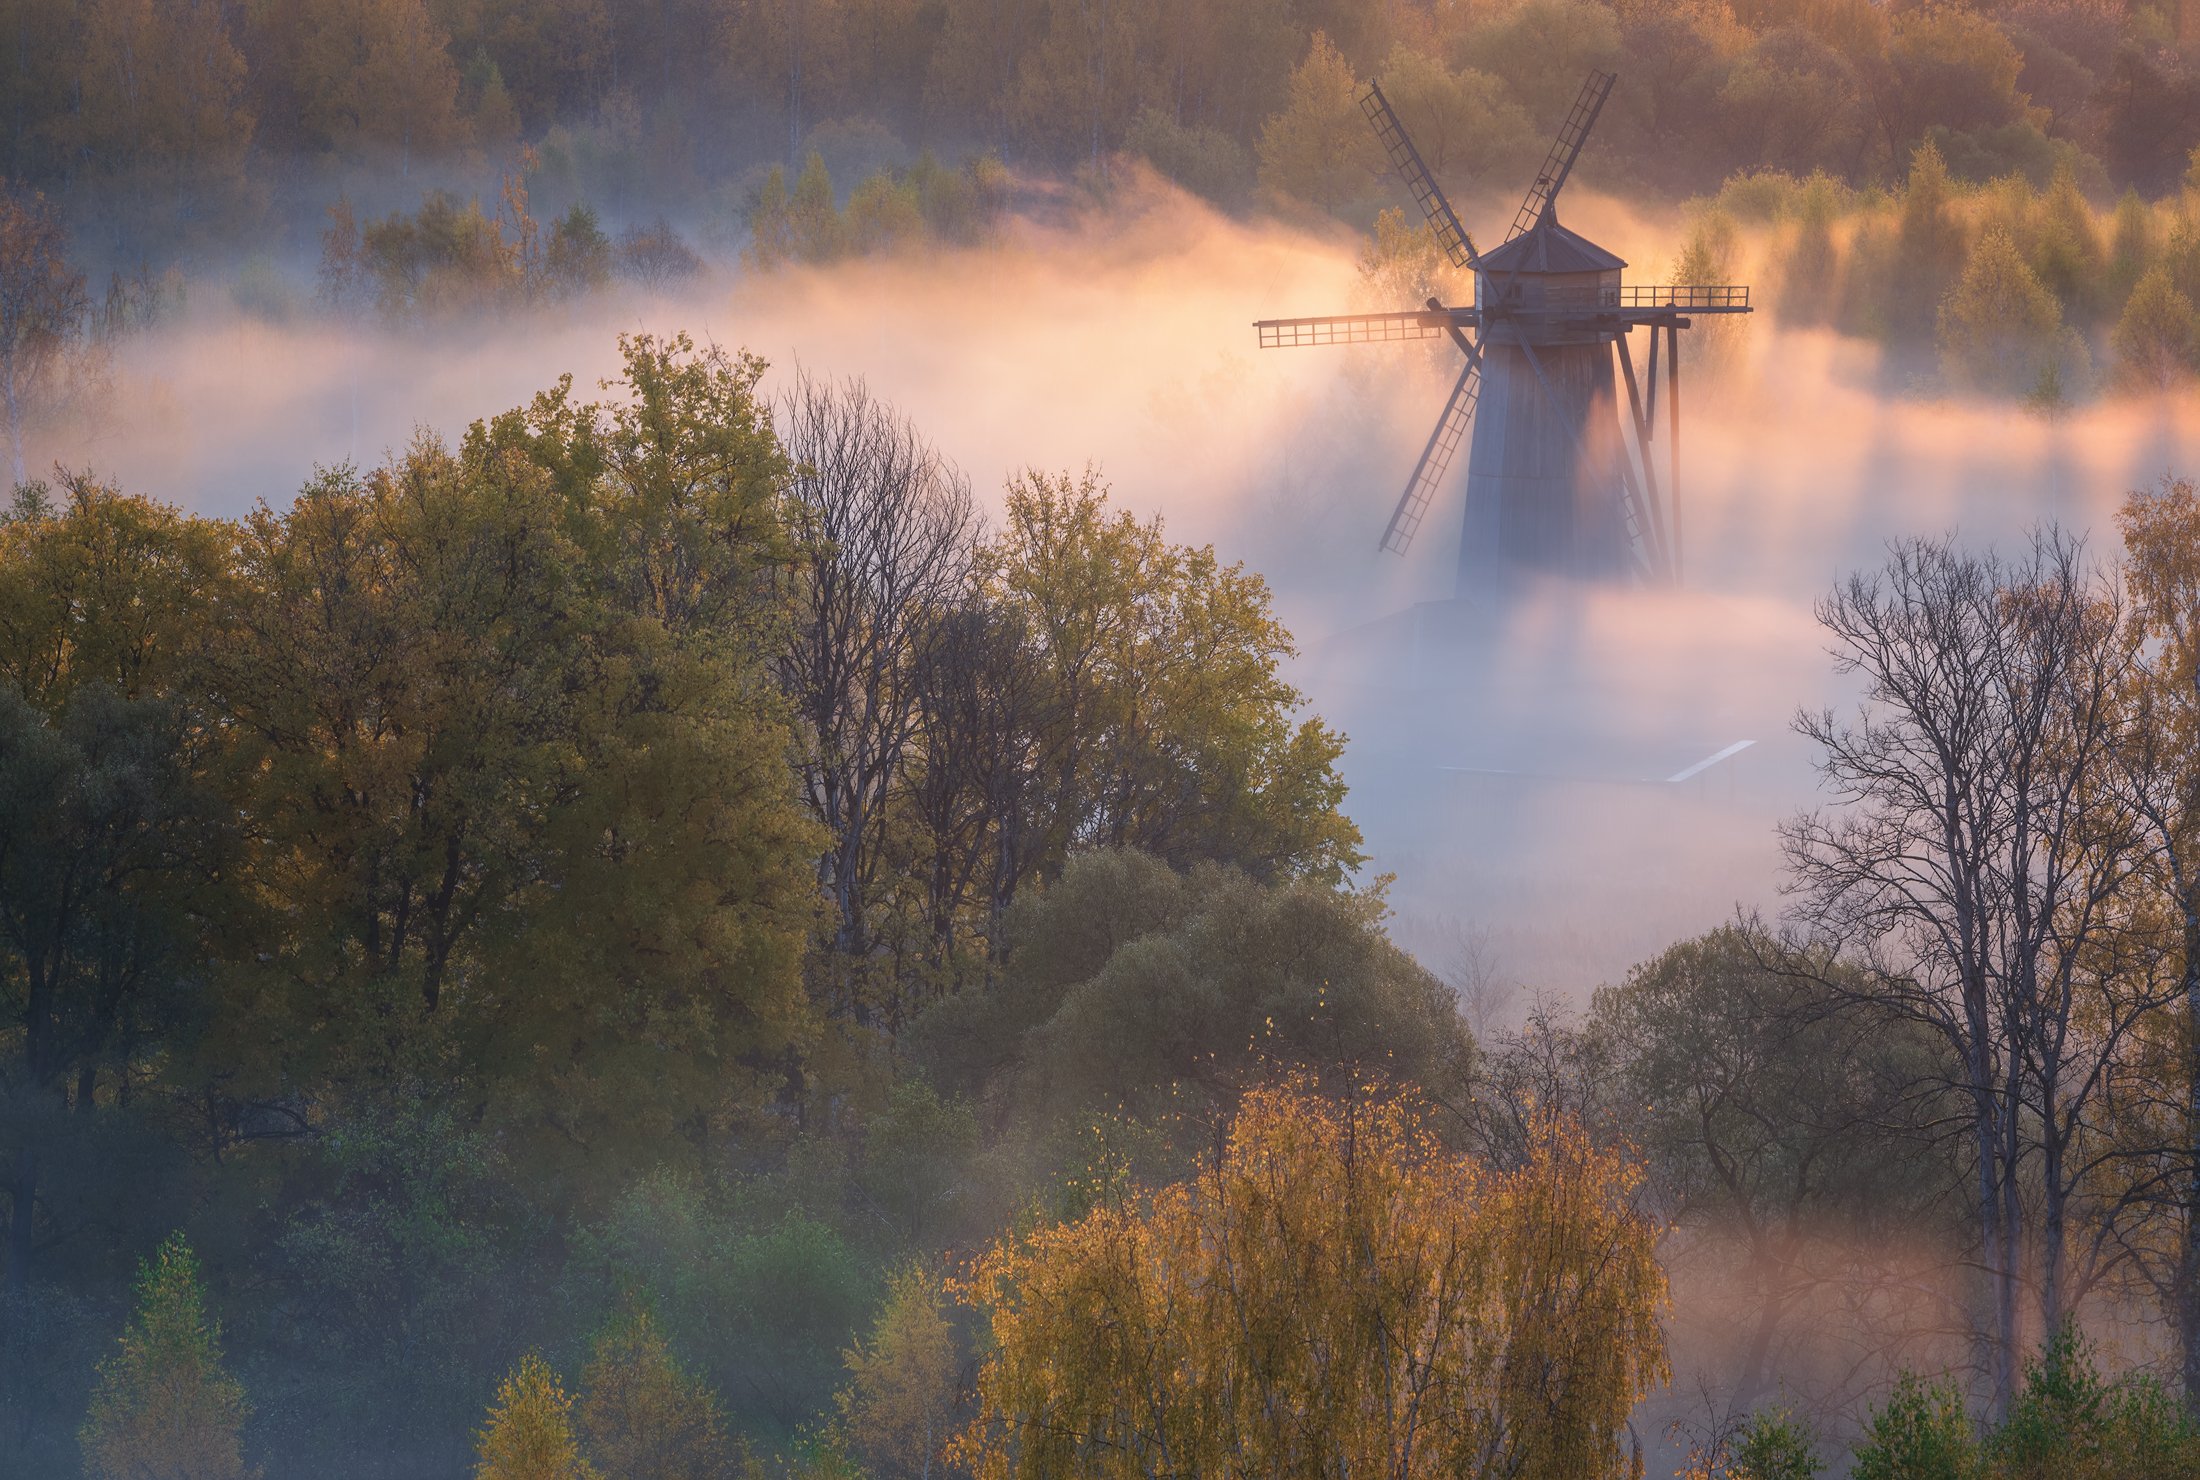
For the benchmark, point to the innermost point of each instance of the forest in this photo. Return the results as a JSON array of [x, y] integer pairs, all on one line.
[[674, 931]]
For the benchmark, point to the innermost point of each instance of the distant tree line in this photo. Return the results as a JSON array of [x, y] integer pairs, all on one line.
[[192, 109]]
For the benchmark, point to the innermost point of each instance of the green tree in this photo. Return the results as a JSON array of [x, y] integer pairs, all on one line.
[[110, 826], [1170, 727], [164, 1405], [2157, 338], [578, 259], [2000, 328], [1319, 149], [529, 1435], [485, 681], [642, 1416], [1774, 1446], [1920, 1433]]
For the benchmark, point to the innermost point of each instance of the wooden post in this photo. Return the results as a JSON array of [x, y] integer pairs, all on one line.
[[1640, 424], [1673, 443]]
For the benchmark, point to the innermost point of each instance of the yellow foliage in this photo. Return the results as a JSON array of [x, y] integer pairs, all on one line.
[[529, 1435], [901, 1394], [1336, 1294], [644, 1417]]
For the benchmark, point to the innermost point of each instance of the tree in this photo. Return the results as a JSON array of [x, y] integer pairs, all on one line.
[[1319, 149], [529, 1435], [2000, 329], [482, 683], [900, 1396], [891, 529], [2157, 338], [1169, 727], [1781, 1123], [161, 94], [1920, 1433], [1133, 989], [2161, 753], [1974, 869], [42, 308], [1334, 1293], [363, 79], [108, 821], [164, 1405], [1775, 1446], [642, 1416]]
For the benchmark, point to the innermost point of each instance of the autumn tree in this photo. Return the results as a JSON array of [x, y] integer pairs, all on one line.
[[161, 95], [529, 1435], [42, 309], [642, 1415], [165, 1405], [2161, 753], [899, 1403], [360, 78], [1335, 1293]]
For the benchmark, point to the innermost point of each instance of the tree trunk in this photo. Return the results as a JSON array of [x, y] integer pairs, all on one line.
[[22, 1202], [2188, 1262]]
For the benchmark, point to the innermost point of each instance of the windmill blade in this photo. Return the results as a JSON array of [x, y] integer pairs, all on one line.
[[1571, 136], [1358, 328], [1442, 219], [1451, 430]]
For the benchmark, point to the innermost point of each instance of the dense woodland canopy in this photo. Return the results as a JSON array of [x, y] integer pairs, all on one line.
[[201, 118], [650, 939]]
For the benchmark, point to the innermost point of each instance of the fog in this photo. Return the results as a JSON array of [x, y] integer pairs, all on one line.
[[1508, 761]]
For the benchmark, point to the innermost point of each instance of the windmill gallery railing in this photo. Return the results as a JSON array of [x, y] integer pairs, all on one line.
[[1706, 298], [1393, 328]]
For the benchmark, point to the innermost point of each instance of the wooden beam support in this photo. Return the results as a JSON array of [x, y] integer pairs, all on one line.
[[1673, 436], [1640, 423]]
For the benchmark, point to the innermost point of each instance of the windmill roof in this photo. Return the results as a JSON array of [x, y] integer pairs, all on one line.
[[1549, 247]]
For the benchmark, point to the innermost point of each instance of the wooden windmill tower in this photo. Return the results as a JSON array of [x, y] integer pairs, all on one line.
[[1557, 480]]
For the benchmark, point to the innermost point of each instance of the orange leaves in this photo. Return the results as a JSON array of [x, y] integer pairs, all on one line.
[[1336, 1293]]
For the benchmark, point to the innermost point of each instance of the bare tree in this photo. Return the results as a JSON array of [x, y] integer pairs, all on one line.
[[892, 528], [983, 713], [42, 310], [1979, 860]]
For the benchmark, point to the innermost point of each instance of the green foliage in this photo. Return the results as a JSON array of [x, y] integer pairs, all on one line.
[[1164, 996], [889, 211], [578, 259], [1920, 1433], [165, 1405], [899, 1404], [2000, 327], [1202, 159], [1318, 149], [2157, 338], [1774, 1445]]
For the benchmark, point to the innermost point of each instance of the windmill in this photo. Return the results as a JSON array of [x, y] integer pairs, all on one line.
[[1556, 480]]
